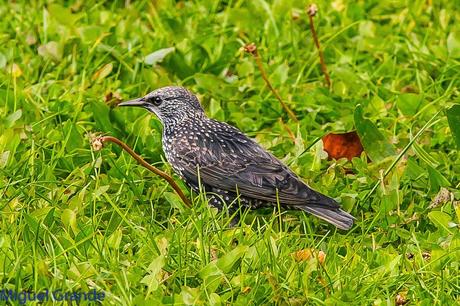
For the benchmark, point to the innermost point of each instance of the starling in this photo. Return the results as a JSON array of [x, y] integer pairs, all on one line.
[[230, 166]]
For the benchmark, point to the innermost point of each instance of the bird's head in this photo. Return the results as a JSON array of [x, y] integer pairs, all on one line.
[[170, 104]]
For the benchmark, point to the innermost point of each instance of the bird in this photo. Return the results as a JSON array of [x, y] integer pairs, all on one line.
[[231, 168]]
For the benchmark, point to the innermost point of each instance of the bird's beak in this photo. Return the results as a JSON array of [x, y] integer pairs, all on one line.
[[139, 102]]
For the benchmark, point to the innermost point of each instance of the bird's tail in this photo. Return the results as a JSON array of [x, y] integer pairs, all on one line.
[[335, 216]]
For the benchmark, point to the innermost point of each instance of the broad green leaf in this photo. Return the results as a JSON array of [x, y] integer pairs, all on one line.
[[4, 156], [115, 239], [367, 28], [190, 296], [424, 155], [212, 276], [374, 142], [408, 103], [69, 219], [388, 202], [437, 180], [453, 44], [73, 139], [453, 117], [226, 262], [2, 60], [245, 68], [9, 142], [101, 113], [216, 110], [62, 14], [89, 34], [377, 106], [174, 200], [349, 78], [101, 190], [280, 75], [41, 213], [413, 170], [51, 50], [151, 279], [32, 223], [444, 18], [209, 82], [210, 269], [214, 299], [157, 56], [12, 118], [391, 266], [49, 218], [320, 154], [81, 270], [441, 220]]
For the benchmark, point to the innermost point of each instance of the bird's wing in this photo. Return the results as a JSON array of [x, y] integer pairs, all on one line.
[[229, 160]]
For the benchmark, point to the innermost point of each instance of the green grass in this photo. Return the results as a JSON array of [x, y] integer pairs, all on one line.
[[74, 219]]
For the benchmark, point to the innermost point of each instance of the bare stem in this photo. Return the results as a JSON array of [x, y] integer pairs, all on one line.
[[288, 130], [252, 49], [311, 12], [98, 142]]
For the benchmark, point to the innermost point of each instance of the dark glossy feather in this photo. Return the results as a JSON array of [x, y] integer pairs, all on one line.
[[227, 163], [233, 161]]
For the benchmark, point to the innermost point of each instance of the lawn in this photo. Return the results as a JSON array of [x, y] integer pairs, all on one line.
[[76, 220]]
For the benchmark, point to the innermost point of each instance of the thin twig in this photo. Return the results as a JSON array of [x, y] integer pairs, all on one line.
[[311, 12], [97, 143], [288, 130], [252, 49]]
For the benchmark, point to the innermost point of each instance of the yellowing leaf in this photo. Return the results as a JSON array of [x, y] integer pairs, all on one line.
[[62, 14], [302, 255], [441, 220], [453, 44], [157, 56], [69, 218], [16, 71], [101, 190], [51, 50], [115, 239], [12, 118], [103, 72]]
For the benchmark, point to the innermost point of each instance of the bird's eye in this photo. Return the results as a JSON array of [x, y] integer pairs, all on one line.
[[156, 101]]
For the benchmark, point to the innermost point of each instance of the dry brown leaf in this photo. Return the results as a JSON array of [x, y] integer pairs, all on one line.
[[409, 89], [102, 72], [214, 254], [246, 290], [401, 298], [302, 255], [441, 198], [306, 254], [426, 255], [342, 145], [112, 98], [321, 257]]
